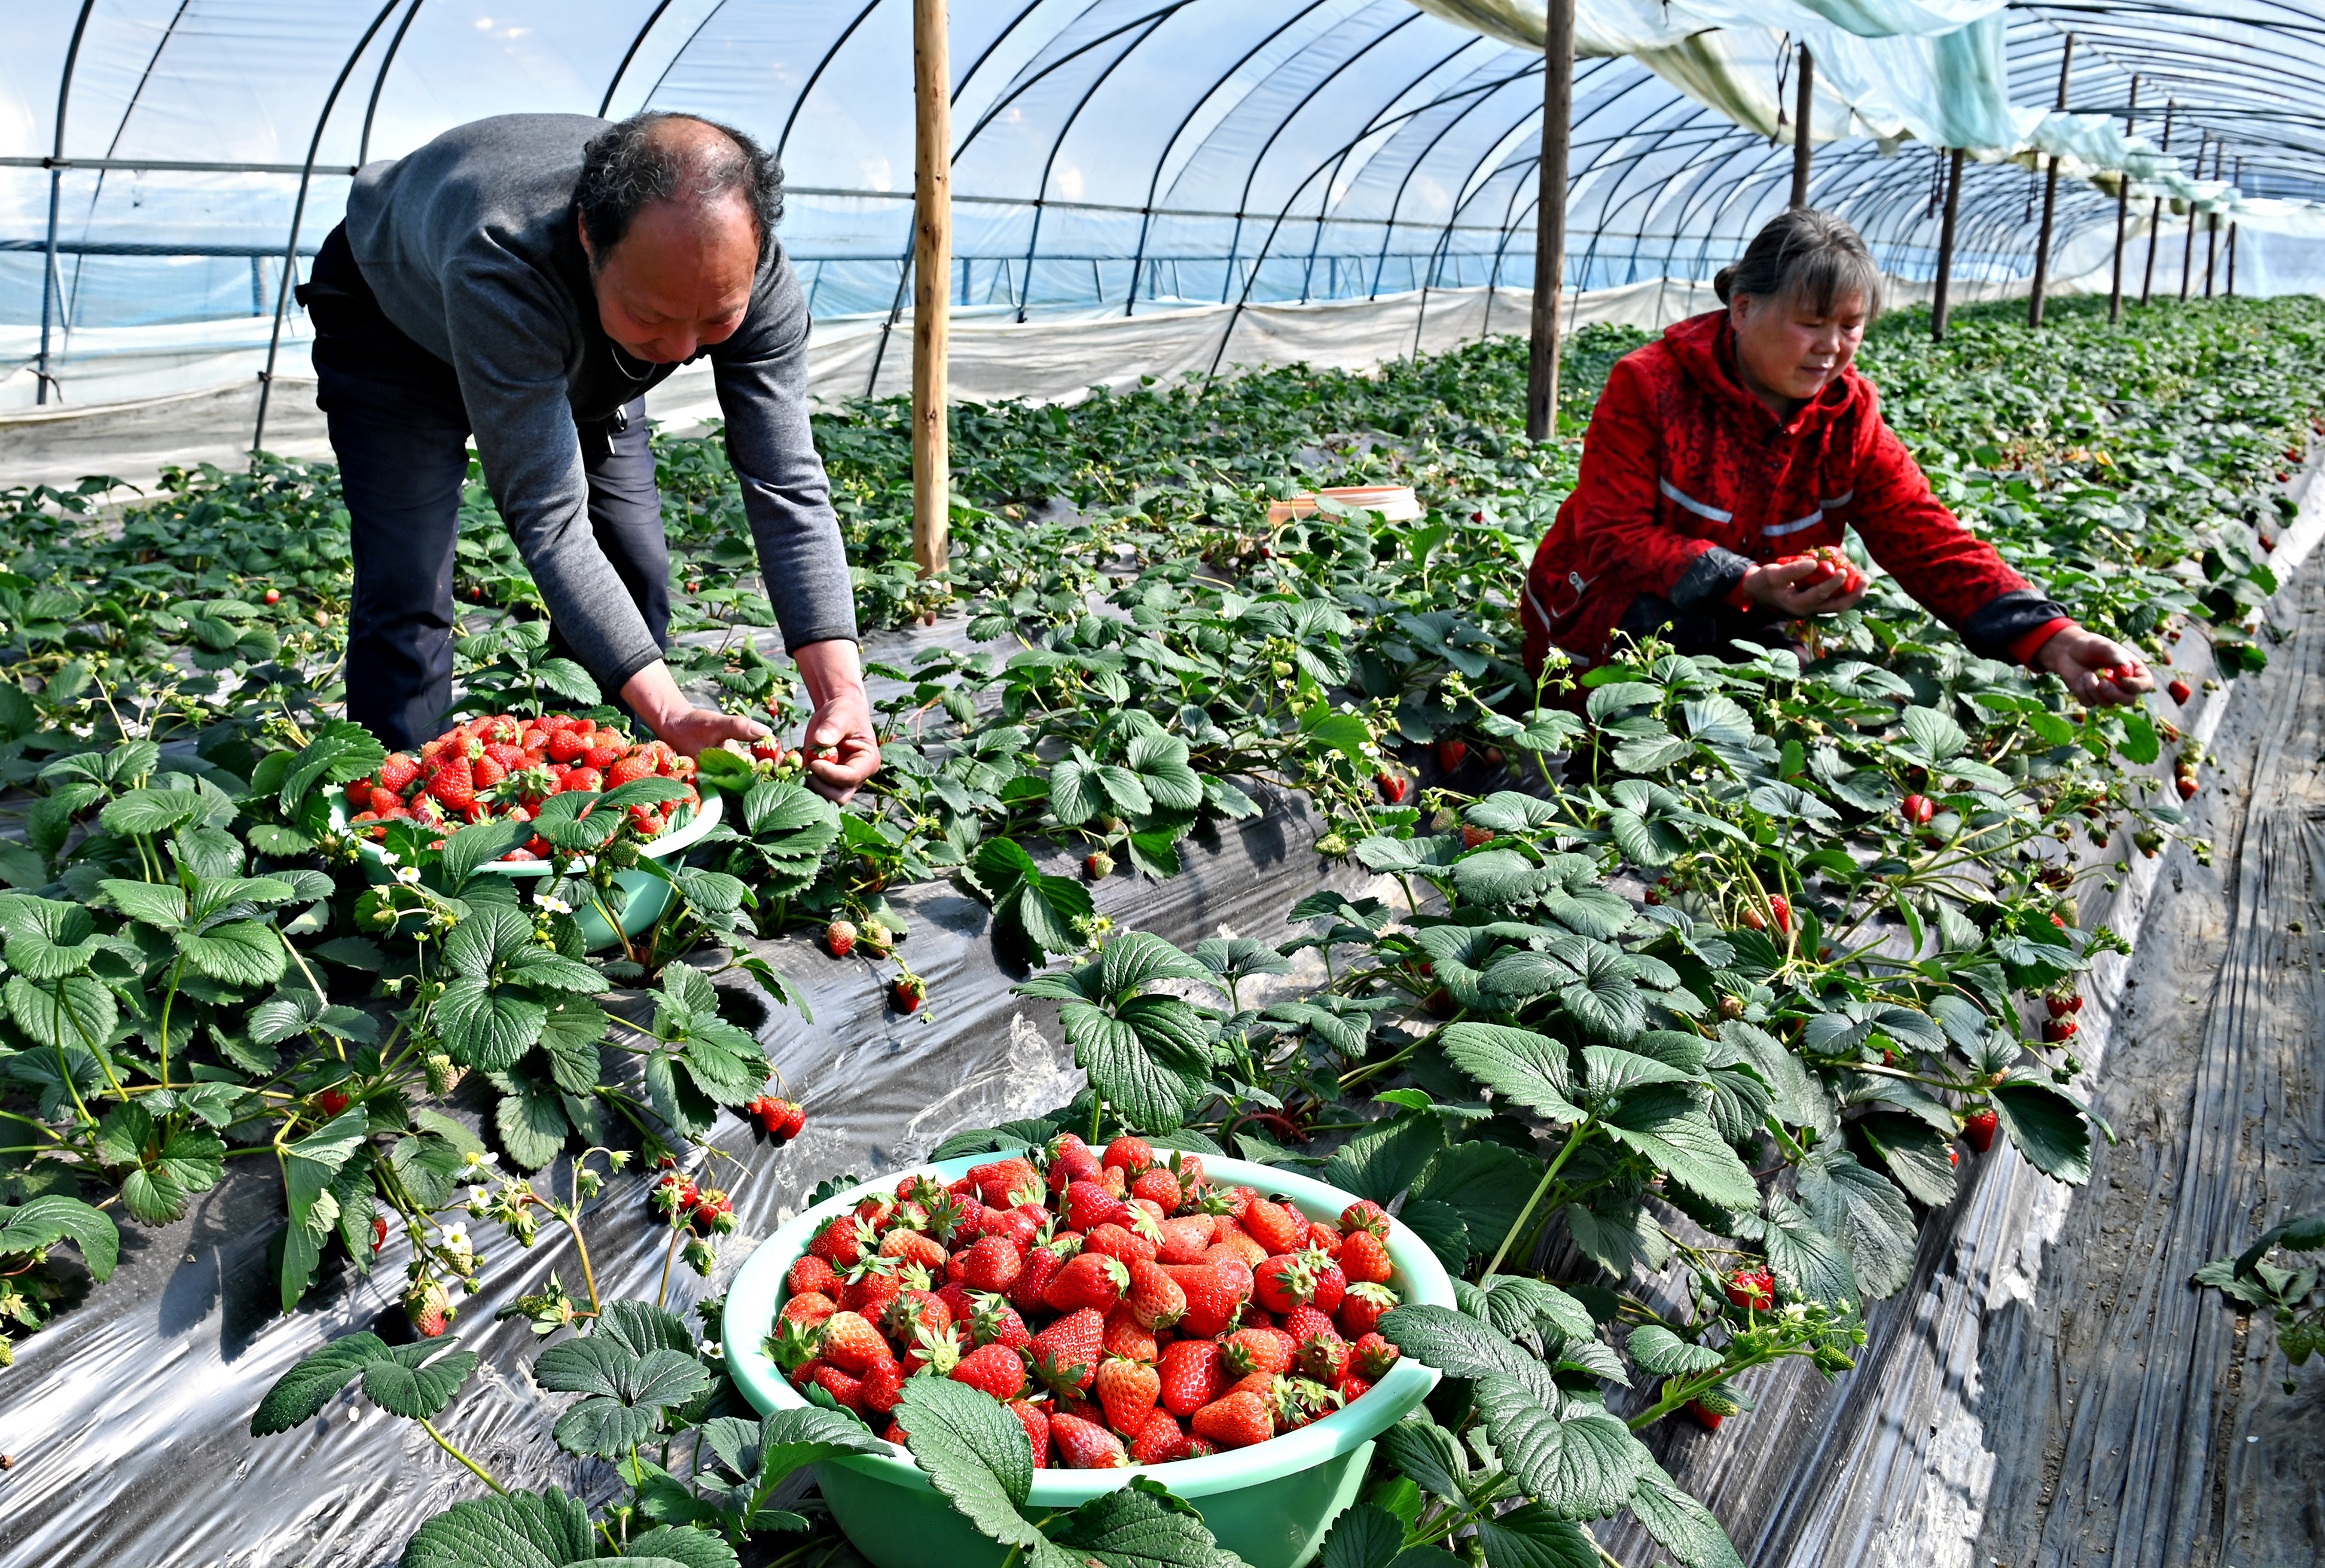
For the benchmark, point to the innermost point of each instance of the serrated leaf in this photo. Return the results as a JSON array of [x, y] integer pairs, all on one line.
[[417, 1381], [299, 1395], [975, 1453], [1138, 958], [1918, 1155], [1578, 1462], [1441, 1228], [1140, 1525], [1460, 1346], [1486, 1182], [2047, 1128], [520, 1530], [1681, 1526], [242, 952], [52, 1216], [1865, 1213], [1515, 1304], [485, 1027], [1809, 1265], [1385, 1158], [1420, 1448], [1659, 1350], [1661, 1122], [1146, 1092], [1532, 1537], [532, 1122], [1366, 1536], [1517, 1064], [75, 1011]]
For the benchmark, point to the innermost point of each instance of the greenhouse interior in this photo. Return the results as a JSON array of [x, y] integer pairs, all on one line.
[[1162, 783]]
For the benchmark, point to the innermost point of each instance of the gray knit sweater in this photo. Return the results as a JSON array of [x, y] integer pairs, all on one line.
[[472, 247]]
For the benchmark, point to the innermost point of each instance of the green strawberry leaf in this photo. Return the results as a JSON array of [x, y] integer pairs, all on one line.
[[975, 1453], [1532, 1537], [53, 1217], [417, 1381], [299, 1395], [520, 1530]]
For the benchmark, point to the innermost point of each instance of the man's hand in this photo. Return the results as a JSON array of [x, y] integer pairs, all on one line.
[[842, 751], [1773, 583], [2098, 670], [654, 697]]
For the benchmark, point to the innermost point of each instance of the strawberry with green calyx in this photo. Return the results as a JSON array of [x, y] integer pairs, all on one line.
[[850, 1341], [908, 992], [1753, 1289], [1364, 1306], [430, 1309], [713, 1213], [1088, 1280], [1392, 786], [1192, 1374], [994, 1368], [1154, 1298], [1064, 1357], [1098, 866], [883, 1387], [1364, 1259], [1713, 1407], [992, 1320], [1126, 1389], [1978, 1126], [1249, 1351], [1159, 1440], [992, 1263], [1371, 1356], [1085, 1444], [839, 938], [1236, 1421]]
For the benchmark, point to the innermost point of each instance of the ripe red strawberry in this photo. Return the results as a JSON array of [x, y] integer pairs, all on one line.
[[273, 596], [581, 780], [1278, 1227], [714, 1213], [997, 1370], [1978, 1127], [1072, 1160], [1042, 1267], [851, 1343], [1037, 1429], [1285, 1282], [1128, 1154], [565, 747], [1192, 1374], [1214, 1297], [1085, 1444], [1127, 1390], [454, 784], [1089, 1279], [992, 1264], [1364, 1306], [606, 750], [1160, 1188], [2058, 1031], [911, 1311], [1236, 1421], [914, 1247], [1917, 811], [627, 769], [1184, 1239], [1112, 1239], [2181, 691], [429, 1308], [1392, 786], [789, 1119], [1160, 1439], [1249, 1351], [1154, 1298], [1005, 1183], [1751, 1288], [992, 1320], [839, 938], [908, 992], [484, 772], [1708, 1420], [1089, 1205], [1371, 1356], [1127, 1336], [1353, 1389], [883, 1387], [1065, 1355], [1364, 1214], [1364, 1259], [1471, 837], [808, 1309], [1324, 1357], [2187, 786], [1451, 754], [847, 1389]]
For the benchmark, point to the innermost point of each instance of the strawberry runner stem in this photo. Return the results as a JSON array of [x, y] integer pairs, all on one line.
[[445, 1443], [1581, 1131]]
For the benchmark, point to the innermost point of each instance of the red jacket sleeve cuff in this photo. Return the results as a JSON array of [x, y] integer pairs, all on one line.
[[2023, 650], [1736, 599]]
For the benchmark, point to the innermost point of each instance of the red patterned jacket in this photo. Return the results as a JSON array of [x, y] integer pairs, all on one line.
[[1688, 480]]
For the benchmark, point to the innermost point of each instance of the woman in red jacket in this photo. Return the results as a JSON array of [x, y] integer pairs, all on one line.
[[1742, 440]]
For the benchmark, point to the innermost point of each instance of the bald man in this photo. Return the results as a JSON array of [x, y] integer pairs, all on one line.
[[527, 279]]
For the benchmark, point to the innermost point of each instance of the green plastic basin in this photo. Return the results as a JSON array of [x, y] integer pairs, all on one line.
[[648, 895], [1270, 1504]]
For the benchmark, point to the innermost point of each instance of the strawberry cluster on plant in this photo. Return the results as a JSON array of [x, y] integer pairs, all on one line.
[[1126, 1309]]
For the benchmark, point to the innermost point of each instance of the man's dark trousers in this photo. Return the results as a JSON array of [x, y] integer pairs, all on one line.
[[400, 430]]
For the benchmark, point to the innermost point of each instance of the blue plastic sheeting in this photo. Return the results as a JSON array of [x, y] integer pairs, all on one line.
[[1118, 153]]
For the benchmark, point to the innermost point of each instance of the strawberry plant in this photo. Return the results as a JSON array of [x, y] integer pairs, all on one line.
[[2287, 1293]]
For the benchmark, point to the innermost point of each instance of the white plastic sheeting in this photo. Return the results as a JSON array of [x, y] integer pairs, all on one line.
[[1110, 155]]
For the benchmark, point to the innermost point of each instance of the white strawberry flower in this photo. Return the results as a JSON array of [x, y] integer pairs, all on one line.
[[554, 905], [390, 858], [408, 874]]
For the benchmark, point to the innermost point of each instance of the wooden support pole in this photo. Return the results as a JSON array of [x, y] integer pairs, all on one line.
[[1801, 125], [2232, 237], [2155, 215], [2212, 222], [2188, 253], [1946, 247], [932, 287], [1550, 219], [2122, 217], [2050, 201]]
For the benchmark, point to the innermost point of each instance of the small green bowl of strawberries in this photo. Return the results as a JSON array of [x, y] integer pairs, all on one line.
[[676, 827], [1270, 1501]]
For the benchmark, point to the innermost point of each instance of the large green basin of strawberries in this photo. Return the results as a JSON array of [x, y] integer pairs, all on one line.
[[1271, 1504]]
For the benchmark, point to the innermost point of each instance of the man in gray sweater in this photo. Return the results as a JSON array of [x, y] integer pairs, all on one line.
[[528, 278]]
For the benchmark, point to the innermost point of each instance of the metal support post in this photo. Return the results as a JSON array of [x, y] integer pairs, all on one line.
[[1550, 219], [2050, 201]]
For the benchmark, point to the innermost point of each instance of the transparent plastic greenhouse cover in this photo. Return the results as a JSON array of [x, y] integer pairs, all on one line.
[[1116, 157]]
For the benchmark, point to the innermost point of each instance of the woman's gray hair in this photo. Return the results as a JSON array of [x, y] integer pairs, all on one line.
[[1804, 255], [635, 162]]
